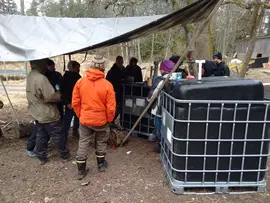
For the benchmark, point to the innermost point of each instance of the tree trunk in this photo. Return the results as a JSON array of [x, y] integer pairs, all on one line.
[[134, 44], [122, 50], [22, 7], [226, 30], [127, 53], [211, 43], [139, 51], [152, 48], [191, 45], [131, 49], [257, 17], [167, 52]]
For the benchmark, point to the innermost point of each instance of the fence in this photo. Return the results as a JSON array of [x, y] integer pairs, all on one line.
[[215, 144]]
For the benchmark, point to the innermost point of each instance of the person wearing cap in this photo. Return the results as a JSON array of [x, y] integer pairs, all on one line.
[[175, 59], [134, 71], [166, 67], [93, 101], [42, 99], [67, 85], [222, 68]]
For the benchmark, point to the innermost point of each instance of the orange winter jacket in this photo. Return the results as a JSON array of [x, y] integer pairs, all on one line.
[[93, 99]]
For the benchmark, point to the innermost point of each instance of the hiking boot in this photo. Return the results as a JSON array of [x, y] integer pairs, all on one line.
[[31, 154], [82, 174], [157, 148], [82, 170], [67, 158], [102, 167], [102, 163]]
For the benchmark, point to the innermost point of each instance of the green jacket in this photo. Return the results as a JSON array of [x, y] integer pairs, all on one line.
[[41, 98]]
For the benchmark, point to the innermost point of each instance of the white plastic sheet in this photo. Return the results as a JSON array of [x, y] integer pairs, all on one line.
[[25, 38]]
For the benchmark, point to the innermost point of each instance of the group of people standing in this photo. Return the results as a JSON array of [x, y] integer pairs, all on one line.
[[119, 74], [63, 87], [91, 101]]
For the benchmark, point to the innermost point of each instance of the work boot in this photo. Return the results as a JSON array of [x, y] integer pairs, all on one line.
[[31, 154], [82, 170], [102, 163]]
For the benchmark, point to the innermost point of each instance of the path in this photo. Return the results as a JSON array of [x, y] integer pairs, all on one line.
[[13, 89]]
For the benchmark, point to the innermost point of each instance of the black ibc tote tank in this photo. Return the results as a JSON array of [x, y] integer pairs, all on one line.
[[223, 147]]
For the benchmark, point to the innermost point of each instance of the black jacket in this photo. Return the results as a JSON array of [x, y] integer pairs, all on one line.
[[212, 69], [116, 76], [54, 77], [135, 72], [68, 82], [224, 68]]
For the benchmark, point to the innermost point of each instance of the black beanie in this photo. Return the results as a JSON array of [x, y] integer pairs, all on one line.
[[218, 56], [175, 59]]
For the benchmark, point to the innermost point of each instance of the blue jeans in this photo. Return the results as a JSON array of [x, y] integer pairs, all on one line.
[[69, 114], [157, 123]]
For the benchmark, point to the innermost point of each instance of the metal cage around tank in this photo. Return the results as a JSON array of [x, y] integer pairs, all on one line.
[[215, 144], [134, 101]]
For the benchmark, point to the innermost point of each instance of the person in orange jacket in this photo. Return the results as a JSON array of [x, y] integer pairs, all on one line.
[[93, 101]]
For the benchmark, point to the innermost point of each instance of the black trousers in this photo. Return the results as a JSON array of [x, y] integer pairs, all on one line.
[[32, 139], [53, 130]]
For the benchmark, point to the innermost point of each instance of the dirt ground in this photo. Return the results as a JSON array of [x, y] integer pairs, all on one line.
[[131, 177], [134, 177]]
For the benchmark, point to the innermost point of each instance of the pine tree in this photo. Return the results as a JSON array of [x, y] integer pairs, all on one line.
[[8, 7], [33, 10]]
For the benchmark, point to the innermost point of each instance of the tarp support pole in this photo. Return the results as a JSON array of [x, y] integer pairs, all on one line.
[[6, 75], [26, 68], [197, 33], [69, 57], [64, 62], [13, 110]]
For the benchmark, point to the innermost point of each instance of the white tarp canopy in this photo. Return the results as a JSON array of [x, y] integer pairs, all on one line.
[[25, 38]]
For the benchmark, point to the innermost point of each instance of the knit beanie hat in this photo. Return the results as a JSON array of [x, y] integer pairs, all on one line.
[[175, 59], [167, 66], [98, 62], [218, 56]]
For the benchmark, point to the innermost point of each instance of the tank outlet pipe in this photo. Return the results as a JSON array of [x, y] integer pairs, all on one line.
[[200, 62]]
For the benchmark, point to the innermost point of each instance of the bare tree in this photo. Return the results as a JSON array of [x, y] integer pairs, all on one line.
[[257, 17]]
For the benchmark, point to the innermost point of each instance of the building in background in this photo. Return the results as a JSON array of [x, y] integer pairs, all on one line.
[[262, 48]]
